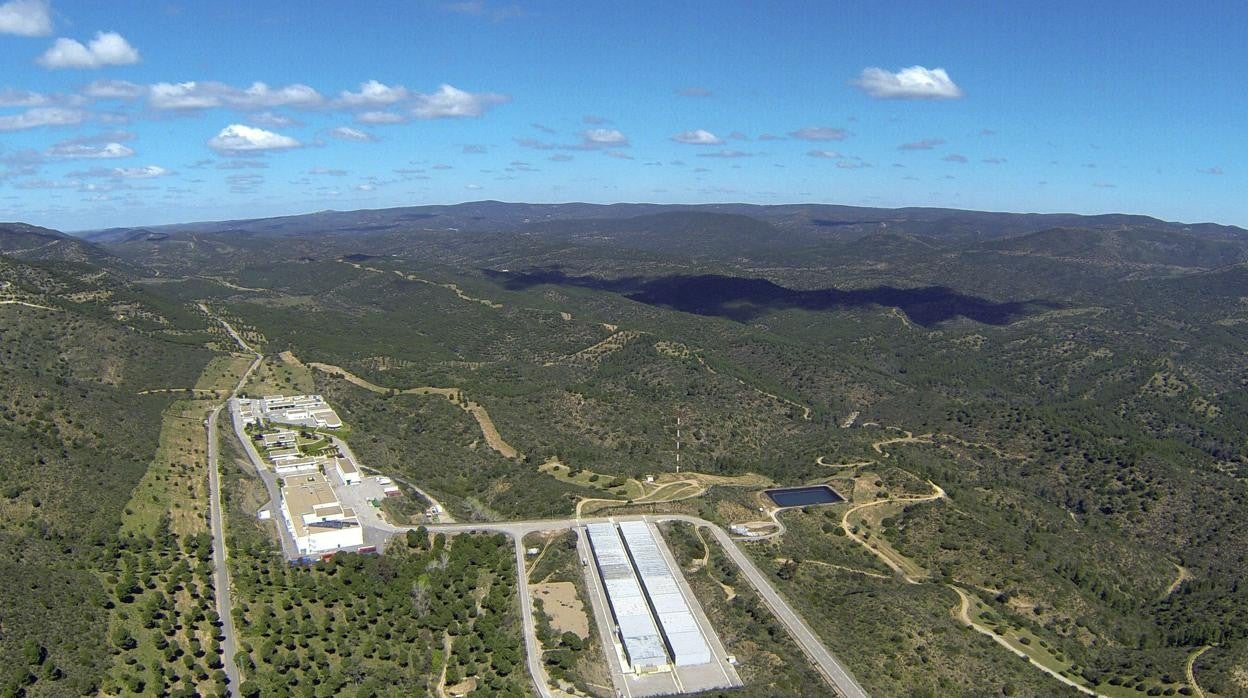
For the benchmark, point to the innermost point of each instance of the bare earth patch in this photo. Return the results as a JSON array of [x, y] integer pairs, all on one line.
[[560, 602]]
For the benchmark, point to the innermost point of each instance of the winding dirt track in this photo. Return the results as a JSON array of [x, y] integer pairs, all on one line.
[[479, 413], [1191, 670], [894, 561], [964, 615]]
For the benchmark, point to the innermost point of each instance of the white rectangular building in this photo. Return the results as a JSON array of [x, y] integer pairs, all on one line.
[[635, 626], [347, 470], [679, 628]]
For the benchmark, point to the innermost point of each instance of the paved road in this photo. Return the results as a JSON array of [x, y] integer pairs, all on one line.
[[220, 553], [532, 650], [823, 660], [833, 672], [220, 571]]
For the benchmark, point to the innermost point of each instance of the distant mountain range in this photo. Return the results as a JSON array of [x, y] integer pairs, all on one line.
[[805, 223]]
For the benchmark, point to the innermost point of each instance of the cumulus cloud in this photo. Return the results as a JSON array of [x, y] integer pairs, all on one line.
[[595, 120], [114, 89], [25, 18], [181, 95], [243, 165], [380, 117], [591, 139], [604, 137], [825, 154], [261, 96], [450, 102], [697, 137], [346, 133], [819, 133], [925, 144], [191, 95], [22, 98], [770, 137], [147, 172], [42, 116], [273, 120], [915, 82], [240, 138], [107, 48], [77, 150], [373, 94], [954, 157]]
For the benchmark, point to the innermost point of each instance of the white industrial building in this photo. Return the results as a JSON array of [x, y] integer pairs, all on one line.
[[643, 647], [681, 634], [316, 519]]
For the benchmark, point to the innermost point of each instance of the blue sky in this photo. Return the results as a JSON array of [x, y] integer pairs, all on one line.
[[128, 113]]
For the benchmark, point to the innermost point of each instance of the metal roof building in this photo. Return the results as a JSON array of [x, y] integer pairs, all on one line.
[[680, 630], [642, 643]]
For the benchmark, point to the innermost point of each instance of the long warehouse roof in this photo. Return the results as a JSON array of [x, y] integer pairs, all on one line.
[[642, 642], [676, 619]]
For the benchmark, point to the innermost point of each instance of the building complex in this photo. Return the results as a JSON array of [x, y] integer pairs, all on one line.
[[655, 624]]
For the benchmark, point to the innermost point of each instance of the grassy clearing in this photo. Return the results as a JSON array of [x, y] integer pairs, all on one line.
[[276, 377], [176, 483], [222, 372]]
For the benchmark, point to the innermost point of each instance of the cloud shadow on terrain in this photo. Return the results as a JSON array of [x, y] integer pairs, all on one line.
[[743, 299]]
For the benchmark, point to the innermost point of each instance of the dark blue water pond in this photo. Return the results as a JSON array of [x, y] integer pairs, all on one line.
[[803, 496]]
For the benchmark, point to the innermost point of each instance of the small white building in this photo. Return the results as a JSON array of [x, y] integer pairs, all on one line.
[[303, 410], [347, 470]]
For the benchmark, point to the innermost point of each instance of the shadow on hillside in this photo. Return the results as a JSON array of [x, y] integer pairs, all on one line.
[[743, 299]]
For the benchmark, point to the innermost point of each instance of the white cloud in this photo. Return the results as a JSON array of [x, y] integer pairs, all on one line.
[[209, 95], [954, 157], [182, 95], [826, 154], [74, 150], [25, 18], [260, 96], [604, 137], [272, 119], [915, 82], [451, 102], [697, 137], [819, 133], [380, 117], [347, 133], [240, 138], [327, 171], [42, 116], [148, 172], [107, 48], [22, 98], [374, 94], [141, 172], [114, 89]]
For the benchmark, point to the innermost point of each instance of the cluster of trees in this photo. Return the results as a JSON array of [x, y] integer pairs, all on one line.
[[366, 625]]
